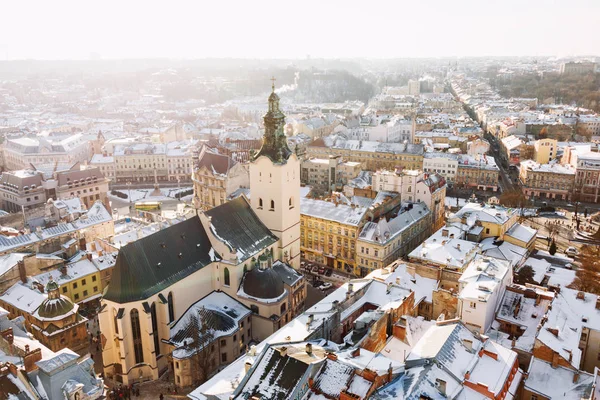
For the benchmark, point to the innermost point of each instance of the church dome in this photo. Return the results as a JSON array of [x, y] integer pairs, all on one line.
[[263, 284], [54, 308]]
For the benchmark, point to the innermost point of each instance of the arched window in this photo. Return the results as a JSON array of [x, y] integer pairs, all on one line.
[[116, 321], [155, 329], [272, 205], [260, 204], [137, 336], [171, 307], [226, 280], [282, 308], [291, 202]]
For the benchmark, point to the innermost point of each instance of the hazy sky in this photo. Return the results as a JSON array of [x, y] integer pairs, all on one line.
[[58, 29]]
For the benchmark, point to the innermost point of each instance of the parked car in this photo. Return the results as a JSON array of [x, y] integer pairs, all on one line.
[[325, 286], [328, 272], [571, 251]]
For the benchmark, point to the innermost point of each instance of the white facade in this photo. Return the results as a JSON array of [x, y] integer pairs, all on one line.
[[275, 199], [481, 287]]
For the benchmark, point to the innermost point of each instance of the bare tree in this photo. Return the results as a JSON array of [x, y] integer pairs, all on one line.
[[201, 346], [588, 275]]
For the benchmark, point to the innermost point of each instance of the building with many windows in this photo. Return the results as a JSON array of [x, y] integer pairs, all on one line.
[[587, 178], [382, 242], [21, 153], [324, 175], [546, 181], [545, 150], [216, 178], [480, 172]]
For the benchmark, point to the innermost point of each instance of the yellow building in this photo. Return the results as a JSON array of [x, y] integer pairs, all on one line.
[[328, 233], [79, 281], [494, 219], [544, 150]]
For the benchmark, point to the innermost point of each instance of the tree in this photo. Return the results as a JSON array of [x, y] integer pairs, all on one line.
[[525, 275], [200, 338], [588, 275], [552, 249], [513, 198]]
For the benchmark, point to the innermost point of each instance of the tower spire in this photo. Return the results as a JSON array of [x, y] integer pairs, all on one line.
[[274, 143]]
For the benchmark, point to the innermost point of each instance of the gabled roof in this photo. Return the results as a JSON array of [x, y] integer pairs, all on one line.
[[235, 224], [155, 262], [217, 163]]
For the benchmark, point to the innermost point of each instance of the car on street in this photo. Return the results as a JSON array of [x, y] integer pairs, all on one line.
[[326, 286], [571, 251]]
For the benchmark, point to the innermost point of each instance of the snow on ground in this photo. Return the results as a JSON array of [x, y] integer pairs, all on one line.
[[145, 194]]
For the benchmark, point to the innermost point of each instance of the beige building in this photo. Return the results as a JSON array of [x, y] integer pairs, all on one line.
[[547, 181], [142, 162], [230, 248], [544, 150], [216, 178], [479, 172], [380, 243], [372, 155], [21, 153]]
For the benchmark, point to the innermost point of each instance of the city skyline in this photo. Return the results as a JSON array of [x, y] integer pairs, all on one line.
[[73, 30]]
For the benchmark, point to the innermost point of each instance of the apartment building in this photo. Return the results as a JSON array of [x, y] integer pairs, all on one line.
[[26, 189], [445, 164], [372, 155], [328, 233], [324, 175], [382, 242], [545, 150], [216, 178], [21, 153], [480, 172], [587, 178], [547, 181]]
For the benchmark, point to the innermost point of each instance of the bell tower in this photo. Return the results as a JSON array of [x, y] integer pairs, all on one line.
[[275, 185]]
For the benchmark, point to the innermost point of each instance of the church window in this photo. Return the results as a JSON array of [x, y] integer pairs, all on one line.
[[171, 307], [137, 336], [260, 204], [155, 329], [226, 280], [115, 320], [272, 205]]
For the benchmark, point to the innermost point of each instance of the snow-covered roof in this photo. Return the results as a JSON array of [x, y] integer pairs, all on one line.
[[486, 213], [521, 232], [445, 248], [330, 211], [482, 277], [384, 230], [557, 382]]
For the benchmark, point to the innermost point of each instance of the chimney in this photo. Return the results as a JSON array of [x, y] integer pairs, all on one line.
[[311, 318], [441, 386], [22, 271], [356, 352], [468, 344], [389, 287], [580, 295], [89, 256], [445, 232], [247, 366], [283, 351], [458, 246], [350, 287], [7, 335], [30, 358], [467, 375], [598, 303], [398, 281], [576, 377], [308, 348]]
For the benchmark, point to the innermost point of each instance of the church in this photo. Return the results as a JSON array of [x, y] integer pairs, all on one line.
[[247, 250]]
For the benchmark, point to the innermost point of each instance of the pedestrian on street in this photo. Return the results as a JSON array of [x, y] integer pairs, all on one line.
[[161, 397]]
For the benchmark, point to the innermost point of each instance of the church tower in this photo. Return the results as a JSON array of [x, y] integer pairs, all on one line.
[[275, 185]]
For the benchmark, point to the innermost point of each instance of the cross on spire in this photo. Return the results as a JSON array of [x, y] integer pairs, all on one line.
[[273, 85]]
